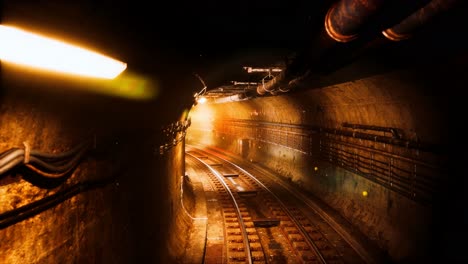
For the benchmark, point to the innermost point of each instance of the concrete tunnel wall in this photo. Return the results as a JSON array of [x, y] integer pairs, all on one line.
[[134, 217], [85, 228], [412, 100]]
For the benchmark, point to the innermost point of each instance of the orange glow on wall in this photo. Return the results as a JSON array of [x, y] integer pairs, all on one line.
[[201, 130]]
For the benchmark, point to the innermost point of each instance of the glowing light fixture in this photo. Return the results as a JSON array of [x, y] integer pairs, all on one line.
[[24, 48], [201, 100]]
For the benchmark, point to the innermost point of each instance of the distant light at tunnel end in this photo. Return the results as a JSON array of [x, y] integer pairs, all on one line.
[[29, 49], [201, 100]]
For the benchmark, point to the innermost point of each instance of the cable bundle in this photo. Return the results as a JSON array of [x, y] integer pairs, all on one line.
[[45, 164]]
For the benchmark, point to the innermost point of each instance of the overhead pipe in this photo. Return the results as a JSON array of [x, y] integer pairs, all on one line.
[[410, 144], [396, 133], [346, 18], [406, 28], [407, 143], [394, 15], [266, 86], [272, 85], [343, 22]]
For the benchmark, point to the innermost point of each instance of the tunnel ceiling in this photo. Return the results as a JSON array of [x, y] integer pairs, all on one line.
[[216, 40]]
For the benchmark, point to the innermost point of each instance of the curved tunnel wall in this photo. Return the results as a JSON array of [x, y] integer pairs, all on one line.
[[301, 137], [87, 227], [132, 215]]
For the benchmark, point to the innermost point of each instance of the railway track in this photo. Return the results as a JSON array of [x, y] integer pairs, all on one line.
[[265, 223], [241, 238]]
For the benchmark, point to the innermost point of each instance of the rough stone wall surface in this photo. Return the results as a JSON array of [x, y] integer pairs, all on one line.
[[180, 222], [87, 228]]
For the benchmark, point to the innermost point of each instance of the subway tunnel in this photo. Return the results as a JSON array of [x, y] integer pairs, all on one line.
[[336, 126]]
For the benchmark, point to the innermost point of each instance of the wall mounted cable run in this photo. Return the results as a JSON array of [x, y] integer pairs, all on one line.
[[49, 165]]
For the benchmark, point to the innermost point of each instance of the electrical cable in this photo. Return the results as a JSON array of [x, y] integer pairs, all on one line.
[[203, 90], [45, 164], [49, 166], [13, 163], [58, 172], [11, 156], [57, 168], [60, 155], [48, 174], [19, 214], [7, 152]]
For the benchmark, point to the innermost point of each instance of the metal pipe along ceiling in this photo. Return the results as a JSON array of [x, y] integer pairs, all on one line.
[[418, 19], [344, 21], [346, 18]]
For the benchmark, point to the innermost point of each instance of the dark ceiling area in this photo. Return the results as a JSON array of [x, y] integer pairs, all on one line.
[[196, 34], [175, 39]]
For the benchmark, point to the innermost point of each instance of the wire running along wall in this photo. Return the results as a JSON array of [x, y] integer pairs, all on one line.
[[410, 172]]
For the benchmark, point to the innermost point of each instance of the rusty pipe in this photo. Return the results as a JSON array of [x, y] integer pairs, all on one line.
[[346, 18], [406, 28], [343, 21], [396, 133], [271, 85]]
